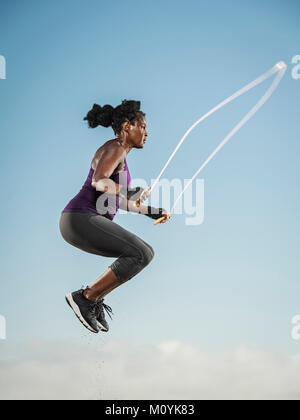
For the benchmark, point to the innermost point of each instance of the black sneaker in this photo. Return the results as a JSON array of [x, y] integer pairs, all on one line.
[[84, 309], [102, 323]]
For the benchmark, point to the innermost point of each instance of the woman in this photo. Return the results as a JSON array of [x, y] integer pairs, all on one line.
[[87, 220]]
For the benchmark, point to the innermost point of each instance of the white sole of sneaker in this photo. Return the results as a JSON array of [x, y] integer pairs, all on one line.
[[77, 312], [102, 328]]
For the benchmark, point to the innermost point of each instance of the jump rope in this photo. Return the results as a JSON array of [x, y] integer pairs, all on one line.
[[279, 68]]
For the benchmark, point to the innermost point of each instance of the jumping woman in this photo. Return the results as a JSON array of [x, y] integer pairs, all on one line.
[[87, 221]]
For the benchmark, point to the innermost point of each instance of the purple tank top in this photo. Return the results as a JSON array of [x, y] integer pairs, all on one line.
[[85, 201]]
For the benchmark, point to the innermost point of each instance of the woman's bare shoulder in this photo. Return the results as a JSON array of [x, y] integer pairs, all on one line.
[[108, 146]]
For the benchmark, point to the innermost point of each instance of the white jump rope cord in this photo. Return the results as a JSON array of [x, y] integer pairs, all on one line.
[[280, 68]]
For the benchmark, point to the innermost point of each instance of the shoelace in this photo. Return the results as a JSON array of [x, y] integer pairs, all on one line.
[[97, 307], [106, 307]]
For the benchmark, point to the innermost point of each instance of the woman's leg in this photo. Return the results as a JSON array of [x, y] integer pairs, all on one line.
[[103, 285], [107, 282], [98, 235]]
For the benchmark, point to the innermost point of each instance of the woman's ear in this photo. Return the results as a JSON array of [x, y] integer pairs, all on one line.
[[126, 126]]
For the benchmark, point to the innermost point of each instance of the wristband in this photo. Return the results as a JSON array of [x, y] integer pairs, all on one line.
[[154, 213]]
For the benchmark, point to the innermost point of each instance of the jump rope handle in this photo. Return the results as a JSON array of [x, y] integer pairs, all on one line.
[[159, 220], [138, 203]]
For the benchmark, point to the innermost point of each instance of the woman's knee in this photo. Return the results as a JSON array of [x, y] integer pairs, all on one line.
[[147, 254]]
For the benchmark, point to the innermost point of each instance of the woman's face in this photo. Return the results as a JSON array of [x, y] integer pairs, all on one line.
[[137, 133]]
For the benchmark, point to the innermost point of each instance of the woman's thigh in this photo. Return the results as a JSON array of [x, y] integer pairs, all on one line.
[[99, 235]]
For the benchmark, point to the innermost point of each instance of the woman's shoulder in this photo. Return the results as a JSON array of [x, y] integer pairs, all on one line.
[[109, 145]]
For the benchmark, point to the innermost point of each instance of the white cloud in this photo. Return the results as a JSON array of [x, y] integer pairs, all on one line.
[[170, 370]]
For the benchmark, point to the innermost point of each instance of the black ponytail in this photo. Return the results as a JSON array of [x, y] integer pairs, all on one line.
[[107, 116], [100, 116]]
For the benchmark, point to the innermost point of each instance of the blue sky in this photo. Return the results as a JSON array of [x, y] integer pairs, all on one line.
[[233, 279]]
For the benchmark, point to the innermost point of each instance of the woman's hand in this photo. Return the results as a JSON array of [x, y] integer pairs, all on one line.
[[167, 216], [158, 214]]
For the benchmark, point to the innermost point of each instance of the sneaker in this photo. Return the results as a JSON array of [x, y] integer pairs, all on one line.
[[102, 323], [84, 309]]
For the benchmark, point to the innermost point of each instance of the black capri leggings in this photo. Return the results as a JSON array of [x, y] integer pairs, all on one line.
[[98, 235]]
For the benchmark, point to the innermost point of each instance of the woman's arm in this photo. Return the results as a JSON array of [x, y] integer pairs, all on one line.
[[110, 159], [130, 205], [152, 212]]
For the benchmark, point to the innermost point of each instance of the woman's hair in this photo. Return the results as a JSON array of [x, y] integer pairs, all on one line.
[[108, 116]]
